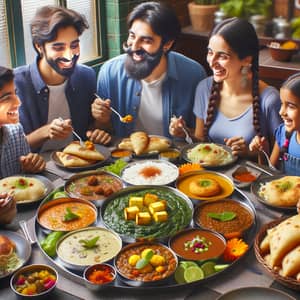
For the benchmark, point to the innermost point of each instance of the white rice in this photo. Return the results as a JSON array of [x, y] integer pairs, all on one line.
[[132, 174]]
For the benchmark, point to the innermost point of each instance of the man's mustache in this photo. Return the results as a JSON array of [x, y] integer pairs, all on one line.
[[141, 52], [63, 59]]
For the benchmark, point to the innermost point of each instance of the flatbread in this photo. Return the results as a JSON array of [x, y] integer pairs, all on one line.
[[284, 238], [69, 160], [155, 144], [209, 154], [140, 141], [24, 188], [284, 191], [291, 263], [76, 149]]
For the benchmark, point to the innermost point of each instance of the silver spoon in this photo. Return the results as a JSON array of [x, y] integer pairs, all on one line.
[[122, 119], [76, 134], [187, 138], [268, 160]]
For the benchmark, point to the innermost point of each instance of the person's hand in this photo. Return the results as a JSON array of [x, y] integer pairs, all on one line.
[[238, 145], [257, 143], [175, 127], [60, 129], [8, 208], [101, 110], [98, 136], [32, 163]]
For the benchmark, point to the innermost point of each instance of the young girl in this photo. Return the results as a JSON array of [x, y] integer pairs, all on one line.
[[287, 146]]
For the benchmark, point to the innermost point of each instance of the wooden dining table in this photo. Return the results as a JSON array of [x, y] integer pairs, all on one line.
[[246, 273]]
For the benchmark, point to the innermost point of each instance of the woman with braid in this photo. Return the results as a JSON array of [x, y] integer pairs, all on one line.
[[233, 105], [287, 135]]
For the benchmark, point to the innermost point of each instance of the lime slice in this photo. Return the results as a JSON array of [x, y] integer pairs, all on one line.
[[187, 264], [220, 267], [193, 274], [59, 195], [179, 274], [208, 268]]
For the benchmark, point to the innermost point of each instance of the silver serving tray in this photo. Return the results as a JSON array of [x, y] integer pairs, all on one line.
[[77, 276]]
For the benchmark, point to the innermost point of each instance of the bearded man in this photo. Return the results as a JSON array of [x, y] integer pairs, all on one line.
[[149, 82], [56, 91]]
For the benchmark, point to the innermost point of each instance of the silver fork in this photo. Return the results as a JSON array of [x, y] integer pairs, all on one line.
[[76, 134], [23, 225], [268, 160]]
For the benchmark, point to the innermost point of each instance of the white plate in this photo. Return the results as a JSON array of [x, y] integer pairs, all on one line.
[[23, 249]]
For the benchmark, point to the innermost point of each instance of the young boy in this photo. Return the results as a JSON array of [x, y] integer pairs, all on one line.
[[15, 156]]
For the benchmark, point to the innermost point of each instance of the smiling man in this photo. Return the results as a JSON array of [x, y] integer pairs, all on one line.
[[55, 90], [149, 82]]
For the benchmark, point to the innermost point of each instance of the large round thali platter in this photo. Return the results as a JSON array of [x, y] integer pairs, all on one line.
[[129, 238]]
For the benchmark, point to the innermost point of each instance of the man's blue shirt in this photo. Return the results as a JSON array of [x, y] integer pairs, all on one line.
[[178, 90], [34, 95]]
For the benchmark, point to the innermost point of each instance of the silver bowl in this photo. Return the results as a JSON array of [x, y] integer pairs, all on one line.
[[31, 269]]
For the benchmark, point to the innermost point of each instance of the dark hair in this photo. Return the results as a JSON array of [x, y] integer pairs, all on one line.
[[160, 17], [241, 37], [49, 19], [293, 85], [6, 76]]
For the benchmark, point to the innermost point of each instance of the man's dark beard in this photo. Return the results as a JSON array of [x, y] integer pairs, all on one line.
[[66, 72], [141, 69]]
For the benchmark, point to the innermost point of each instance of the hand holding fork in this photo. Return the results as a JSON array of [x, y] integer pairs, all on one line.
[[177, 125]]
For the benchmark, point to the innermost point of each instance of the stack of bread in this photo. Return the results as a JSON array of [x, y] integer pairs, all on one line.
[[141, 143], [75, 155], [281, 247]]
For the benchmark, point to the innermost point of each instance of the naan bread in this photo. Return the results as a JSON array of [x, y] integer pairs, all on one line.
[[69, 160], [283, 238], [291, 263], [24, 188], [156, 143], [209, 154], [139, 141], [126, 144], [76, 149], [284, 191]]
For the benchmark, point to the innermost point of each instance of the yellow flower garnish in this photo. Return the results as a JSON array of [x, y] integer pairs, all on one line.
[[89, 145], [189, 167], [235, 248]]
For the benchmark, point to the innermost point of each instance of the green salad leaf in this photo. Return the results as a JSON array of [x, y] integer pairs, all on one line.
[[224, 216], [116, 167]]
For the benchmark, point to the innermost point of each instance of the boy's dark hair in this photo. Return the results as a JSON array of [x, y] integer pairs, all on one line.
[[49, 19], [6, 76], [160, 17]]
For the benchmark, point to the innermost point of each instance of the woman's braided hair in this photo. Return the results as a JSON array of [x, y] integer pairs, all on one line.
[[241, 37], [293, 85]]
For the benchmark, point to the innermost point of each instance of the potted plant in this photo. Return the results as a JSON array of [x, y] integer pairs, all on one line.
[[202, 14]]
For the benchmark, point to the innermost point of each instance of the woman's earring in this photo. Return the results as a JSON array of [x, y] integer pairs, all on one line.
[[244, 73]]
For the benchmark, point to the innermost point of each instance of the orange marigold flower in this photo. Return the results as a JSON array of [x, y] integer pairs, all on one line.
[[235, 248], [189, 167]]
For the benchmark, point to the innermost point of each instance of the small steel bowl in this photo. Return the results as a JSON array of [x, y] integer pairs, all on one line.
[[31, 269], [171, 155], [98, 286], [121, 154]]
